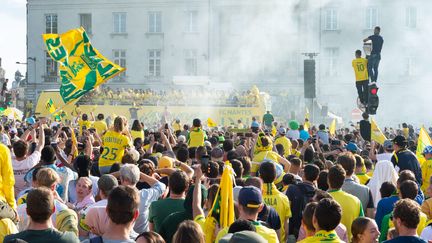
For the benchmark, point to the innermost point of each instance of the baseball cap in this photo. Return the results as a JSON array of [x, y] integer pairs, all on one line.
[[30, 120], [250, 196], [245, 236], [106, 183], [352, 147], [181, 138], [427, 150], [388, 144], [282, 131], [400, 140], [165, 162], [13, 130]]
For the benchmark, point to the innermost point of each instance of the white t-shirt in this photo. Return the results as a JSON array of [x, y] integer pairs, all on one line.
[[426, 234], [4, 139], [384, 156], [20, 168], [293, 134]]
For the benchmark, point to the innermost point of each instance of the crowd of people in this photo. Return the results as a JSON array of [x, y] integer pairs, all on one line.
[[149, 97], [89, 182]]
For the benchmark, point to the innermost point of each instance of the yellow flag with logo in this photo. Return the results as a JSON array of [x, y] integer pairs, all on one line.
[[211, 123], [376, 134], [50, 106], [82, 67], [332, 128], [423, 141]]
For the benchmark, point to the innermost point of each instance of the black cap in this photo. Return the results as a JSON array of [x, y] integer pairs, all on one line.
[[400, 141]]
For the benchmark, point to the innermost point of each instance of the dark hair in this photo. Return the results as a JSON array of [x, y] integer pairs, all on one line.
[[408, 211], [321, 194], [267, 172], [178, 182], [241, 225], [358, 53], [405, 175], [189, 231], [387, 189], [40, 204], [192, 151], [264, 141], [296, 161], [123, 202], [200, 151], [20, 148], [336, 177], [228, 145], [358, 227], [254, 181], [347, 161], [328, 214], [100, 116], [196, 122], [151, 237], [245, 160], [377, 28], [408, 189], [183, 154], [213, 169], [288, 179], [321, 127], [322, 180], [368, 164], [311, 172], [48, 155], [83, 165], [232, 155], [308, 156], [237, 167], [308, 215], [136, 126], [280, 149]]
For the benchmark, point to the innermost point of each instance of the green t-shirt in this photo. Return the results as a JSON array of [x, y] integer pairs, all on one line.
[[170, 224], [42, 236], [160, 209], [268, 119]]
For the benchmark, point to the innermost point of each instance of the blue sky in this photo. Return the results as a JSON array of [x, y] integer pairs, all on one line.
[[13, 36]]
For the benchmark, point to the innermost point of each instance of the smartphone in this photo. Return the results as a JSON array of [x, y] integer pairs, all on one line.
[[204, 163]]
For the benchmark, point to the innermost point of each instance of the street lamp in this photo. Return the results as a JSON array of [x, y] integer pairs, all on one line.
[[34, 66]]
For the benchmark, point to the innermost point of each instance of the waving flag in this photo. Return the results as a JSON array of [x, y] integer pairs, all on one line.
[[211, 123], [376, 134], [222, 211], [82, 67], [332, 128], [423, 141]]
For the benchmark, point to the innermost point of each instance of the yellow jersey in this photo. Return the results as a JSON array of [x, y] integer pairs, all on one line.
[[100, 127], [137, 134], [7, 178], [82, 124], [351, 208], [261, 156], [114, 145], [279, 201], [196, 138], [426, 169], [322, 236], [7, 227], [268, 234], [363, 178], [286, 143], [360, 69]]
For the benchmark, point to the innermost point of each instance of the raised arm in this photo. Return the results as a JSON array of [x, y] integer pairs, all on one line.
[[196, 201]]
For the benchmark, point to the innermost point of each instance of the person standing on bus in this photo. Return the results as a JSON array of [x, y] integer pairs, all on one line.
[[361, 74], [114, 143]]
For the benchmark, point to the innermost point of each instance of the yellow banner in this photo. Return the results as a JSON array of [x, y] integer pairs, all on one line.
[[376, 134], [423, 141]]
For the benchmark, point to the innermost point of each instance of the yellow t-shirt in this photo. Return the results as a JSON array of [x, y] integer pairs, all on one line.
[[360, 69], [114, 145], [268, 234], [351, 208], [137, 134], [82, 123], [176, 126], [286, 143], [363, 178], [196, 138], [279, 201], [100, 126], [426, 169], [7, 179], [261, 156], [322, 236], [7, 227]]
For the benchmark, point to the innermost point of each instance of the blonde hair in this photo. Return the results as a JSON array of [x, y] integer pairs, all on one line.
[[119, 124], [87, 181], [47, 177]]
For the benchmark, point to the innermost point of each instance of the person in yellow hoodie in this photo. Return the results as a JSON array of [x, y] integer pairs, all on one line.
[[197, 135], [282, 139], [426, 168], [7, 182]]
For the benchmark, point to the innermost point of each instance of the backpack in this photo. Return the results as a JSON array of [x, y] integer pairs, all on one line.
[[97, 239]]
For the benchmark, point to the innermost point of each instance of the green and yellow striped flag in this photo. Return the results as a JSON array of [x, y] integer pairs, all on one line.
[[49, 105]]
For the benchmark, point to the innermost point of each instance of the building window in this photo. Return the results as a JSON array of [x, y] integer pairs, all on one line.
[[330, 19], [120, 59], [154, 57], [86, 22], [411, 17], [51, 70], [51, 23], [119, 22], [155, 22], [371, 18], [190, 62], [332, 55], [192, 21]]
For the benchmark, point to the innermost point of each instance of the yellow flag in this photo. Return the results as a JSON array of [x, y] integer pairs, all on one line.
[[211, 123], [376, 134], [332, 128], [82, 67], [74, 142], [50, 106], [307, 114], [423, 141]]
